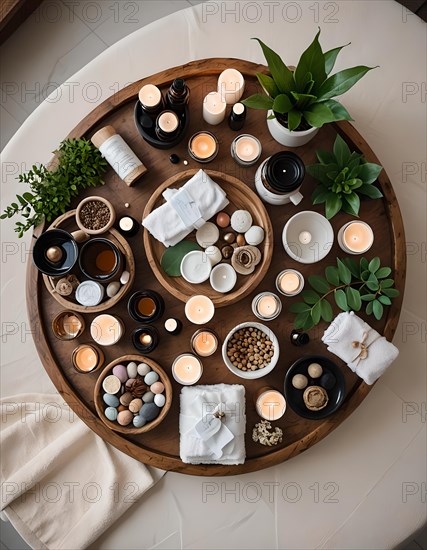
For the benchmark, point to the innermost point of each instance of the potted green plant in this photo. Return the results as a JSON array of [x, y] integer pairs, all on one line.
[[343, 175], [300, 101]]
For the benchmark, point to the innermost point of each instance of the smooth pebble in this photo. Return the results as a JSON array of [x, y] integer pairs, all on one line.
[[241, 221], [148, 397], [254, 235], [139, 421], [112, 289], [143, 369], [126, 398], [132, 369], [111, 400], [111, 384], [315, 370], [124, 418], [149, 411], [129, 382], [157, 387], [111, 413], [159, 399], [328, 381], [151, 377], [125, 276], [135, 405], [214, 254], [299, 381], [121, 372]]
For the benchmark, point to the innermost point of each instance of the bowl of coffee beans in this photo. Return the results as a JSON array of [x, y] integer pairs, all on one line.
[[95, 215], [250, 350]]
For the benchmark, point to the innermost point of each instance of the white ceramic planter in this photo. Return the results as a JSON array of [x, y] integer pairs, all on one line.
[[287, 138]]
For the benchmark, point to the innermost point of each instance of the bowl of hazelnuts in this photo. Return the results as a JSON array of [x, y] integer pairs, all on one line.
[[250, 350]]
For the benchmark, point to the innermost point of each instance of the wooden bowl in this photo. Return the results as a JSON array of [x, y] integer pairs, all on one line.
[[101, 406], [241, 197], [66, 221], [103, 229]]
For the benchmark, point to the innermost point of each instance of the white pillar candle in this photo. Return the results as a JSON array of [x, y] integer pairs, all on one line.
[[187, 369], [168, 122], [106, 329], [270, 405], [231, 85], [355, 237], [199, 309], [214, 108]]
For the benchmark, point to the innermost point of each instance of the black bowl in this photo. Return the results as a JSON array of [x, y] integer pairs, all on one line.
[[294, 397], [145, 330], [148, 132], [63, 240], [154, 297], [88, 260]]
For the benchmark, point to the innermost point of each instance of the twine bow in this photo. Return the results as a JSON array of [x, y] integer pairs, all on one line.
[[363, 353]]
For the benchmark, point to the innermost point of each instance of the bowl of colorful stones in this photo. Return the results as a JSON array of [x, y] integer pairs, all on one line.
[[132, 395], [314, 387], [250, 350]]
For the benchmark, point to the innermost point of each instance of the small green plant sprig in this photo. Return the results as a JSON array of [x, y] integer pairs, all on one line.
[[351, 284], [343, 175], [79, 165]]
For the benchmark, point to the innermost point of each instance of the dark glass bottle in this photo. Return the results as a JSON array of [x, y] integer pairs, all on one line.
[[178, 96], [237, 117]]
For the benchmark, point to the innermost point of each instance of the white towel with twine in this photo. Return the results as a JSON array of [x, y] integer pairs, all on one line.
[[185, 209], [212, 424], [62, 486], [365, 351]]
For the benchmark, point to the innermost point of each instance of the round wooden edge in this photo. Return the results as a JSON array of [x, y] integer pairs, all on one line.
[[252, 281], [206, 67], [124, 247], [97, 398]]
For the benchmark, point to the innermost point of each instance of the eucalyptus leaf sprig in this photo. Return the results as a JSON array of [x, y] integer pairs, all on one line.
[[79, 165], [351, 284]]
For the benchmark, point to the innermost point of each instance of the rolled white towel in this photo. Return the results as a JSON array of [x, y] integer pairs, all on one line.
[[365, 351], [185, 209], [205, 439]]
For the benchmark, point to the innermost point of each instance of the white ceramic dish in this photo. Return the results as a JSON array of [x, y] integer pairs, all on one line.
[[322, 237], [252, 375], [196, 267], [223, 278]]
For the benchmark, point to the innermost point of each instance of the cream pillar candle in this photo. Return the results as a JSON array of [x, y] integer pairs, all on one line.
[[106, 329], [355, 237], [214, 107], [270, 404], [204, 342], [231, 85], [199, 309], [289, 282], [187, 369]]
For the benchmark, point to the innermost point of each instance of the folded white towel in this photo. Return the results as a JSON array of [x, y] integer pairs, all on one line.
[[185, 209], [205, 439], [62, 486], [365, 351]]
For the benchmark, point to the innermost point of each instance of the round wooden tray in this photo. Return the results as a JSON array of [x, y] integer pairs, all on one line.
[[66, 221], [160, 447], [241, 198]]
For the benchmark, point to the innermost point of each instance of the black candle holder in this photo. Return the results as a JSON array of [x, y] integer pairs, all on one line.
[[145, 339], [136, 301], [146, 127]]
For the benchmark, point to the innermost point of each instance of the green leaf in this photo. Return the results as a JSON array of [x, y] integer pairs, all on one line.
[[391, 292], [374, 264], [377, 309], [320, 171], [259, 101], [341, 300], [344, 272], [318, 114], [370, 191], [301, 319], [28, 196], [332, 275], [353, 298], [369, 308], [282, 104], [282, 76], [365, 275], [352, 266], [319, 283], [311, 61], [319, 195], [353, 202], [325, 157], [341, 151], [316, 312], [338, 110], [326, 311], [310, 296], [363, 264], [302, 100], [3, 216], [331, 56], [294, 119], [342, 81], [387, 283], [368, 297], [268, 84], [172, 257], [299, 307], [382, 272], [369, 172], [372, 283], [309, 323], [333, 205], [385, 300]]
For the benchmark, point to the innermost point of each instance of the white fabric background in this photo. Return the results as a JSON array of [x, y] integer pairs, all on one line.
[[374, 464]]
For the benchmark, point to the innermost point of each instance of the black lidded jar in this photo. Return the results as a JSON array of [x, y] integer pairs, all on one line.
[[178, 96], [146, 306], [237, 117], [283, 172]]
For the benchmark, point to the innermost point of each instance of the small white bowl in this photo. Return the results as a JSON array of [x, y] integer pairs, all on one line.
[[223, 278], [253, 374], [322, 237], [195, 267]]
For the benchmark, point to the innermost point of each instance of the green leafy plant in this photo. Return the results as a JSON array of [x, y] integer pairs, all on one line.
[[353, 285], [303, 98], [343, 175], [79, 165]]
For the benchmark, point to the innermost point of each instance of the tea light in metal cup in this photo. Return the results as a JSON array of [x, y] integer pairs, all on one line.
[[68, 325], [199, 309], [173, 326], [128, 226], [203, 147], [87, 358], [204, 342], [266, 306], [145, 339], [167, 125], [214, 107], [106, 329], [270, 404], [246, 150], [355, 237], [187, 369], [231, 85], [289, 282]]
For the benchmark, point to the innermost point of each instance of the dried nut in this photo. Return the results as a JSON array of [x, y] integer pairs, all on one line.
[[94, 215], [245, 259], [126, 398], [227, 251], [241, 221], [263, 434], [240, 240], [64, 287], [72, 279], [229, 238], [242, 352]]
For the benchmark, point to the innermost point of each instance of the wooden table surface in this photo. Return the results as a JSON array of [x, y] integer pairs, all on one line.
[[160, 447]]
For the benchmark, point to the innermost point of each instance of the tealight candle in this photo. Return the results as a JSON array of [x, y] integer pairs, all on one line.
[[231, 85], [173, 326], [204, 342], [305, 237], [199, 309], [290, 282], [150, 96], [87, 358], [68, 325], [223, 278], [128, 226], [145, 339], [266, 306], [355, 237], [167, 125], [187, 369], [246, 150], [106, 329], [214, 107], [203, 147], [270, 404]]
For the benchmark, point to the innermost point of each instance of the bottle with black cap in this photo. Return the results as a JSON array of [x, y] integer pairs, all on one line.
[[237, 117], [178, 96]]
